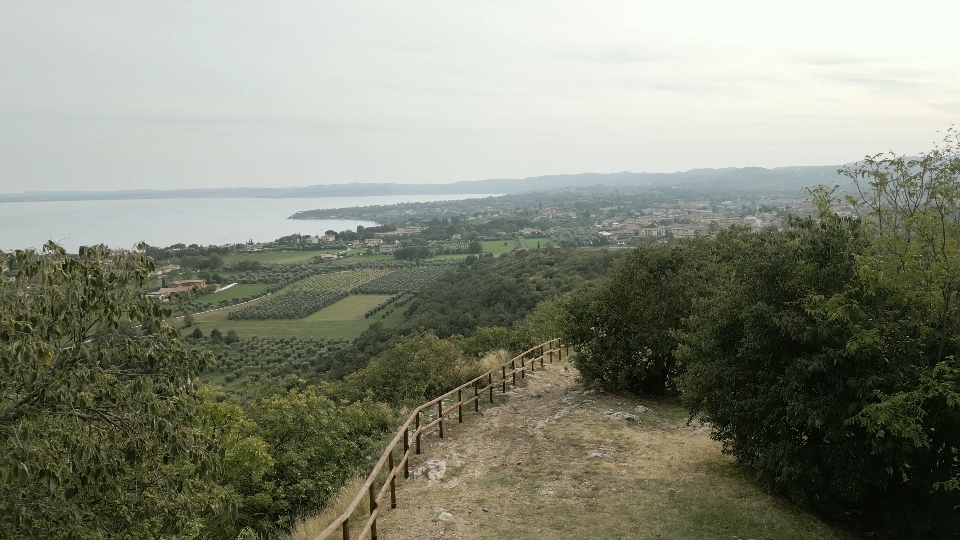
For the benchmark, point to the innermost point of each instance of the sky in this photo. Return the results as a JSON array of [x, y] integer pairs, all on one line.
[[130, 94]]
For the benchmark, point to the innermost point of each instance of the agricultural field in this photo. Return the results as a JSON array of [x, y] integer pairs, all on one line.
[[268, 360], [339, 281], [304, 328], [351, 308], [401, 281], [307, 296], [498, 247], [237, 291]]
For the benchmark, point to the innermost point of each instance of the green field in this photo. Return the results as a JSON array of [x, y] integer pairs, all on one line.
[[320, 324], [351, 308], [281, 257], [237, 291], [500, 246]]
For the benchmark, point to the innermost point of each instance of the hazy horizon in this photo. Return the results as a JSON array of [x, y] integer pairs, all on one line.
[[216, 94]]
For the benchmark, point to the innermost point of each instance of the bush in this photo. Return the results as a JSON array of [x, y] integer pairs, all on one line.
[[414, 371], [624, 330], [785, 356]]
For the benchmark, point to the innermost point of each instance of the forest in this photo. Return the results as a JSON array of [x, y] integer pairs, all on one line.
[[823, 356]]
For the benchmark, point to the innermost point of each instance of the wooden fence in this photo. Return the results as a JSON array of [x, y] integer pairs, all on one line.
[[481, 386]]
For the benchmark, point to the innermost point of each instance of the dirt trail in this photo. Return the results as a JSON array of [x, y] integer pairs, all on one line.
[[552, 461]]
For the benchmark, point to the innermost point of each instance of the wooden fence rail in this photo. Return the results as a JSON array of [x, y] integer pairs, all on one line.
[[482, 385]]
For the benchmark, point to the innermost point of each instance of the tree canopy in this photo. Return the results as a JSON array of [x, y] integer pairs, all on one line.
[[101, 431]]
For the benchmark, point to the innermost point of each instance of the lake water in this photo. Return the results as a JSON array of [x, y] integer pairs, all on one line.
[[164, 222]]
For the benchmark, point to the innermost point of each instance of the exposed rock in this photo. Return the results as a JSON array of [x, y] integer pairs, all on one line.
[[433, 469], [561, 413], [445, 516], [621, 416], [642, 410]]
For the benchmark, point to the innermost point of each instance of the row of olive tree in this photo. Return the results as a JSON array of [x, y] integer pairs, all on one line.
[[825, 356]]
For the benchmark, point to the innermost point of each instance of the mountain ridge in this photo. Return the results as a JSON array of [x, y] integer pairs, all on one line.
[[751, 177]]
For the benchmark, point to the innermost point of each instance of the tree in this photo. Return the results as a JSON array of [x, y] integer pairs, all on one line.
[[197, 333], [475, 247], [624, 330], [416, 369], [188, 320], [245, 266], [795, 343], [101, 435], [911, 207], [314, 445]]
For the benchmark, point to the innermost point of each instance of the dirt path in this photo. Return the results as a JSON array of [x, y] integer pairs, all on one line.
[[553, 461]]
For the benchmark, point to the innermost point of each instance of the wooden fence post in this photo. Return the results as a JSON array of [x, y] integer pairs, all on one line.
[[490, 385], [406, 448], [513, 371], [346, 529], [373, 506], [393, 478], [440, 416], [459, 405], [476, 398], [503, 369], [418, 432]]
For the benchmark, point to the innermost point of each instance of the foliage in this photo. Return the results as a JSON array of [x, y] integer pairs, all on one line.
[[502, 291], [486, 339], [274, 364], [912, 209], [314, 446], [413, 371], [793, 345], [623, 329], [101, 431]]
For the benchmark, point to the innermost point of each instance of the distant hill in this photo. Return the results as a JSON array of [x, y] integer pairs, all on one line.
[[731, 177]]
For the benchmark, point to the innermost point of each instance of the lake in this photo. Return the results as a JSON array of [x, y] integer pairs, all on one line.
[[164, 222]]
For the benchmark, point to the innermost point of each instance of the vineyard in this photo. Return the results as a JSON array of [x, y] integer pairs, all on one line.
[[291, 305], [307, 296], [401, 281], [338, 281]]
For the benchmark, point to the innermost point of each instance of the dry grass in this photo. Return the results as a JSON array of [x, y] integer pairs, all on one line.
[[493, 360], [309, 528]]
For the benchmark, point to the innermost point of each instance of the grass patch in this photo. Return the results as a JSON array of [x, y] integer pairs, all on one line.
[[237, 291], [311, 527], [351, 308], [500, 246]]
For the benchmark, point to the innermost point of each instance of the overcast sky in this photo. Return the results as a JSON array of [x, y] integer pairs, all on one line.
[[209, 93]]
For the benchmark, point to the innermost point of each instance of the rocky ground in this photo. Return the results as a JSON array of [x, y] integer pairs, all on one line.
[[552, 460]]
